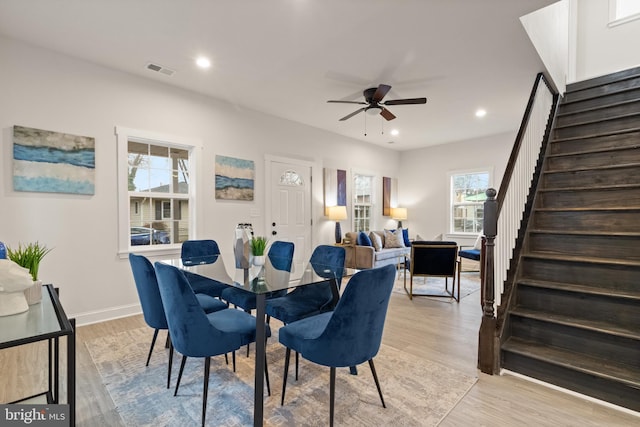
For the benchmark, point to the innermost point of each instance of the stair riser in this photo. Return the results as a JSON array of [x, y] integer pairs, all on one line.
[[622, 221], [600, 276], [629, 139], [590, 343], [590, 198], [602, 90], [600, 113], [589, 160], [620, 311], [599, 388], [613, 247], [617, 176], [598, 128], [612, 99]]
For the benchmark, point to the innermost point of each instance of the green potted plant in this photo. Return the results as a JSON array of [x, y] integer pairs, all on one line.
[[258, 247], [29, 256]]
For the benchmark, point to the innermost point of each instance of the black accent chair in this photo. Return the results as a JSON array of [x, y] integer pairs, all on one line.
[[436, 259]]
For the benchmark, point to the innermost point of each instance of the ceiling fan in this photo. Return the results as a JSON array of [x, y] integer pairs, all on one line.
[[373, 101]]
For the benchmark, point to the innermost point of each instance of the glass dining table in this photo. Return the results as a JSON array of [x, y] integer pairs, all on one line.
[[261, 281]]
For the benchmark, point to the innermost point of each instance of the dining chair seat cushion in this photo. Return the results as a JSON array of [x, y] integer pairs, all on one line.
[[236, 322], [210, 304], [245, 299], [287, 309]]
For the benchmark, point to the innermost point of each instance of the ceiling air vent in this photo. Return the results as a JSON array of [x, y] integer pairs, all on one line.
[[160, 69]]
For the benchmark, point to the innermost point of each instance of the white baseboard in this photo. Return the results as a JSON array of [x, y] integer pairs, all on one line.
[[90, 317]]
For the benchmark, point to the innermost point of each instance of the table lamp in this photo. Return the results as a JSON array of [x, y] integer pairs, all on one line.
[[399, 214], [337, 214]]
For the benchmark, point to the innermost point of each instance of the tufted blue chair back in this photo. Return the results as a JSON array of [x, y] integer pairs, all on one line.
[[281, 255], [197, 251], [147, 286], [191, 332]]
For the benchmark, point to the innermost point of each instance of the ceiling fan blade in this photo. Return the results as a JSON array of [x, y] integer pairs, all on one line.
[[347, 102], [387, 114], [348, 116], [380, 92], [406, 101]]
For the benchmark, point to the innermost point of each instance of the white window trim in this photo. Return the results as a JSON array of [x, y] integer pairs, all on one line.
[[376, 190], [193, 146], [613, 21], [451, 234]]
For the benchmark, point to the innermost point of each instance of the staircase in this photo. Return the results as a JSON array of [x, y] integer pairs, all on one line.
[[574, 318]]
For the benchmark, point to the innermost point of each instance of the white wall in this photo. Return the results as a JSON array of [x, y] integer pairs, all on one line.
[[424, 179], [548, 29], [602, 49], [45, 90]]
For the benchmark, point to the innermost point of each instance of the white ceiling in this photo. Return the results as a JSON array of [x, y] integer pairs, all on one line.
[[288, 57]]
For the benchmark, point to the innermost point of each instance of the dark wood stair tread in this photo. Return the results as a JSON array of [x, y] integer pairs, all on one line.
[[600, 120], [586, 324], [574, 361], [588, 209], [591, 188], [592, 168], [578, 288], [594, 233], [595, 135], [581, 259], [600, 106]]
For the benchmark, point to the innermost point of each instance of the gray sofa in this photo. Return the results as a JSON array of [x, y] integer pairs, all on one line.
[[363, 257]]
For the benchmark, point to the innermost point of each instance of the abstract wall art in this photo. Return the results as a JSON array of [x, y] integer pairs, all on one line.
[[234, 178], [53, 162], [389, 195], [335, 188]]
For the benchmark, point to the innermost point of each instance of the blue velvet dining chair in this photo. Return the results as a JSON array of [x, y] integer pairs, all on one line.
[[202, 252], [305, 301], [349, 335], [196, 334], [146, 282], [281, 257]]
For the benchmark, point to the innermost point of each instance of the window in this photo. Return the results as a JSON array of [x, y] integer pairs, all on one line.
[[622, 11], [155, 203], [362, 202], [467, 201]]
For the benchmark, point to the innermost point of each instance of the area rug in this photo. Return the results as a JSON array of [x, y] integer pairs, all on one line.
[[469, 284], [416, 392]]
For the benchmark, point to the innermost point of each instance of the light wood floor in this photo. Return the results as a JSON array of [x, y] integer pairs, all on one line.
[[434, 330]]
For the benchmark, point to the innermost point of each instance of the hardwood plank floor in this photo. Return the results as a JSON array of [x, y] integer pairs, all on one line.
[[434, 330]]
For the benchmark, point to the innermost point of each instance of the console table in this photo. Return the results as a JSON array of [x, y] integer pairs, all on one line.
[[46, 321]]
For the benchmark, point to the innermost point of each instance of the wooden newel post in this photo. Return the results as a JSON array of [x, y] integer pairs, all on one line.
[[488, 343]]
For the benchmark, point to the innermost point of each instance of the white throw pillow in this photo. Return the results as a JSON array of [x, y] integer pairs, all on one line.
[[393, 239], [478, 243], [376, 240]]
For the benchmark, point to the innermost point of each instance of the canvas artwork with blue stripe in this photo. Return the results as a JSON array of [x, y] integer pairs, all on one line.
[[53, 162]]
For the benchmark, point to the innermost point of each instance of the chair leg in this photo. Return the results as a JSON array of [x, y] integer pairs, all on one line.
[[266, 375], [226, 358], [184, 360], [375, 378], [207, 361], [248, 345], [153, 342], [170, 362], [332, 393], [287, 355], [233, 357], [297, 364]]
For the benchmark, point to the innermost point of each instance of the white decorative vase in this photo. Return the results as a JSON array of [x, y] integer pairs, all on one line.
[[258, 260], [33, 293]]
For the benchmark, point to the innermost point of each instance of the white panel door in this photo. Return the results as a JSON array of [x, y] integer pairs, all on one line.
[[291, 209]]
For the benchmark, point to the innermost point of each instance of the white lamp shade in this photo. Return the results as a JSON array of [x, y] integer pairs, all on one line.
[[337, 213], [399, 213]]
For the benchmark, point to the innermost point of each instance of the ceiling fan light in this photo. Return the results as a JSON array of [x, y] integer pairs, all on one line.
[[374, 111]]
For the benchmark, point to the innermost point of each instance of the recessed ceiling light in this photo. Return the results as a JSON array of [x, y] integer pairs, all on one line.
[[395, 132], [203, 62], [481, 113]]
